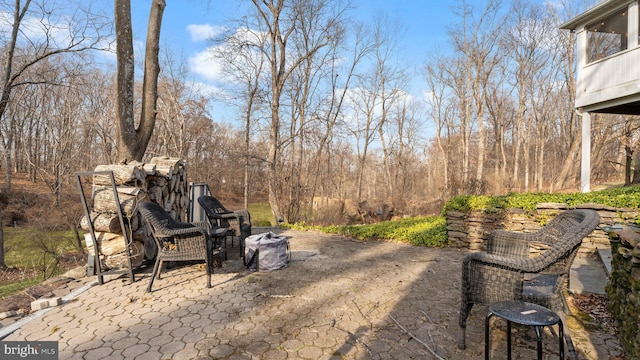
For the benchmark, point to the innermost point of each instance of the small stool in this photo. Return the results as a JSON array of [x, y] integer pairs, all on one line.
[[523, 313]]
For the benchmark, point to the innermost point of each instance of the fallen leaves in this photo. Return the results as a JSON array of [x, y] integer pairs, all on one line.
[[595, 306]]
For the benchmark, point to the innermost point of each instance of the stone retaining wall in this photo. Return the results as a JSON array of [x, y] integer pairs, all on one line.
[[471, 230], [624, 287]]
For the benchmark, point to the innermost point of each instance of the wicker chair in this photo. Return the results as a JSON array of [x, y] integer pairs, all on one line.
[[507, 272], [237, 222], [178, 241]]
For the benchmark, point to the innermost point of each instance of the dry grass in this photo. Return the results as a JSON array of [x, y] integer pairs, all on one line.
[[39, 240]]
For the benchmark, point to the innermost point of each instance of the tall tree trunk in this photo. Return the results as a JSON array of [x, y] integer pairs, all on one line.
[[569, 163], [361, 166], [516, 157], [466, 138], [628, 164], [2, 262], [481, 145], [252, 88], [272, 165], [636, 169], [247, 148], [541, 159], [445, 161], [527, 159], [132, 141]]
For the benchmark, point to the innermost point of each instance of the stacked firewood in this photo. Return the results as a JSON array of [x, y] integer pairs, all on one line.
[[163, 180]]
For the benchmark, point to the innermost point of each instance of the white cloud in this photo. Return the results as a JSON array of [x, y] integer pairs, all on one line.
[[203, 32], [57, 30], [209, 90], [203, 64]]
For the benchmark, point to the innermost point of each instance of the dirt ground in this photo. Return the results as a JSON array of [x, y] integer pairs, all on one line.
[[21, 301]]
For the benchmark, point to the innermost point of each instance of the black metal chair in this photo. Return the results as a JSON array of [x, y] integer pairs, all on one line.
[[178, 241], [507, 272], [237, 222]]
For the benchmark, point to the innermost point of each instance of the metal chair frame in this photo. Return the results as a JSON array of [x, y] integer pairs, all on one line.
[[178, 241], [220, 216]]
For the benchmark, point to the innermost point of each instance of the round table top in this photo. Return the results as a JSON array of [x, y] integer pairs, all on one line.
[[524, 313]]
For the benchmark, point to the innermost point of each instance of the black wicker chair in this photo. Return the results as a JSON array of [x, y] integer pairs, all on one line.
[[178, 241], [237, 222], [507, 272]]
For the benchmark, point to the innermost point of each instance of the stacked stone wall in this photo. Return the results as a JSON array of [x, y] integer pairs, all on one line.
[[471, 230], [624, 287]]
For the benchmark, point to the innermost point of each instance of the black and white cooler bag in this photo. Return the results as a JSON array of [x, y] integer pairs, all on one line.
[[266, 252]]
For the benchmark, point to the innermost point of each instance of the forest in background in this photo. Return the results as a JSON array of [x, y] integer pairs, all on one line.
[[324, 112]]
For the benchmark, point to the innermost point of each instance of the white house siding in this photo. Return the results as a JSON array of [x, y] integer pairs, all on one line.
[[614, 77]]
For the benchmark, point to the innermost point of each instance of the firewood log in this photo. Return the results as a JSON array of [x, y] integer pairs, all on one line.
[[113, 251], [149, 169], [158, 181], [103, 222], [167, 161], [155, 194], [119, 261], [123, 175], [104, 200]]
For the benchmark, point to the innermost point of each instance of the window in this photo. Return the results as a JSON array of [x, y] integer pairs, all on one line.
[[607, 36]]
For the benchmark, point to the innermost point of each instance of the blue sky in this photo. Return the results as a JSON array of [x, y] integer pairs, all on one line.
[[425, 23]]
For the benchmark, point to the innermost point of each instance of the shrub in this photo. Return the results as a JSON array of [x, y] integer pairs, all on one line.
[[622, 197], [428, 231]]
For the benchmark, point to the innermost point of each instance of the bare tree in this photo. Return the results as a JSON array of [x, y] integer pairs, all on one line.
[[307, 90], [477, 42], [341, 74], [566, 45], [501, 116], [132, 139], [49, 117], [523, 44], [630, 143], [453, 73], [60, 138], [460, 74], [240, 52], [279, 20], [81, 31], [392, 81], [365, 101], [440, 111], [100, 96], [180, 107], [408, 120]]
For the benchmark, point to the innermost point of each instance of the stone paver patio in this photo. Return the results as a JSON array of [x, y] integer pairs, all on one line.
[[338, 299]]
